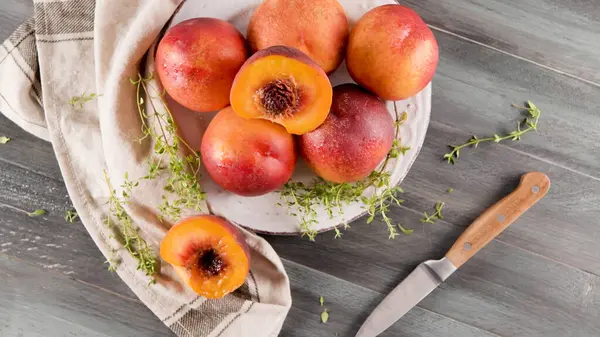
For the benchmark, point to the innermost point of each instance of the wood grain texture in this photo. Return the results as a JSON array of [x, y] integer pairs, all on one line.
[[559, 34], [35, 302], [12, 14], [539, 278], [532, 187]]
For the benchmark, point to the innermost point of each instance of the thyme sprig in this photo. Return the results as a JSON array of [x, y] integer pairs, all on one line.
[[82, 99], [433, 217], [530, 123], [71, 216], [302, 199], [182, 186], [135, 244]]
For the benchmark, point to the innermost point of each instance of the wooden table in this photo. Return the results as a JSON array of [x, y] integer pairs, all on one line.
[[539, 278]]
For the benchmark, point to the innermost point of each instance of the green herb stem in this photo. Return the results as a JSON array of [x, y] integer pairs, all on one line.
[[135, 244], [531, 123], [82, 99], [182, 183], [433, 217]]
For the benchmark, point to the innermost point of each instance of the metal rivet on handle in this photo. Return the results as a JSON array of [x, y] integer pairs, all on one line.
[[501, 218], [535, 189], [467, 246]]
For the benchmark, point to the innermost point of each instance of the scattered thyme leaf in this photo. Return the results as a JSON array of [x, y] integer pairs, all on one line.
[[450, 190], [4, 140], [324, 316], [302, 199], [433, 217], [405, 231], [82, 99], [531, 123], [71, 216], [37, 212], [321, 300], [135, 244]]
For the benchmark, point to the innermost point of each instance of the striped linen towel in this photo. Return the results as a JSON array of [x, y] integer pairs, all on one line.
[[74, 46]]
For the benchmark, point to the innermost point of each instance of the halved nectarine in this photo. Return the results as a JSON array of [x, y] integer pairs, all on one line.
[[208, 253], [283, 85]]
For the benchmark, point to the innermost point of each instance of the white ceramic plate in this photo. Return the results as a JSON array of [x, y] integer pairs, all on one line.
[[262, 214]]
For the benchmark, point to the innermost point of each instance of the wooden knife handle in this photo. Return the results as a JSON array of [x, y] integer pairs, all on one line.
[[494, 220]]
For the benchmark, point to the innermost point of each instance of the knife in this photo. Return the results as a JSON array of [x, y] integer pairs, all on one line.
[[430, 274]]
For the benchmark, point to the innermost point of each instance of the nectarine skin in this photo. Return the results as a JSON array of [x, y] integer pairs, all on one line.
[[318, 28], [285, 86], [391, 52], [248, 157], [196, 61], [208, 253], [353, 140]]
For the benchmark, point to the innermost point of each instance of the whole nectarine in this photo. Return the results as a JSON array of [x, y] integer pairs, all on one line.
[[356, 136], [392, 52], [318, 28], [196, 61], [248, 157]]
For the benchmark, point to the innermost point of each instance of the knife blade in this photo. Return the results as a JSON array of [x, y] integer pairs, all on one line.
[[430, 274], [418, 284]]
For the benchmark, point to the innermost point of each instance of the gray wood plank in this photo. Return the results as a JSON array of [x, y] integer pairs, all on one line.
[[350, 304], [28, 151], [48, 241], [12, 14], [556, 33], [36, 302], [474, 88], [508, 289]]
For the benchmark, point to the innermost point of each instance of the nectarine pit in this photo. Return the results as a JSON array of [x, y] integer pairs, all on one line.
[[209, 261], [279, 97]]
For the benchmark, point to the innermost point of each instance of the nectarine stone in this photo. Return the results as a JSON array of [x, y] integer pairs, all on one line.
[[318, 28], [392, 52], [354, 139], [196, 61], [248, 157], [208, 253], [285, 86]]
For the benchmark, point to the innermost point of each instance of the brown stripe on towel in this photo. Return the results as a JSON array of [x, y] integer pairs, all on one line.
[[64, 17]]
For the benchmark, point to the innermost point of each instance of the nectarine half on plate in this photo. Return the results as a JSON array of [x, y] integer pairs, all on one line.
[[261, 213]]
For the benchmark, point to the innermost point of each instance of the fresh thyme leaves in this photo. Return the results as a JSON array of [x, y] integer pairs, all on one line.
[[450, 190], [321, 300], [182, 183], [4, 140], [433, 217], [71, 216], [530, 123], [302, 200], [325, 316], [37, 212], [112, 267], [82, 99], [135, 244]]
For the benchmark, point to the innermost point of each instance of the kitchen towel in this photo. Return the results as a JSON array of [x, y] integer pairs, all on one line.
[[75, 47]]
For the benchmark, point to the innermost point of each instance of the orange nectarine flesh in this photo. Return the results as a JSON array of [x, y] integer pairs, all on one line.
[[208, 254], [284, 86]]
